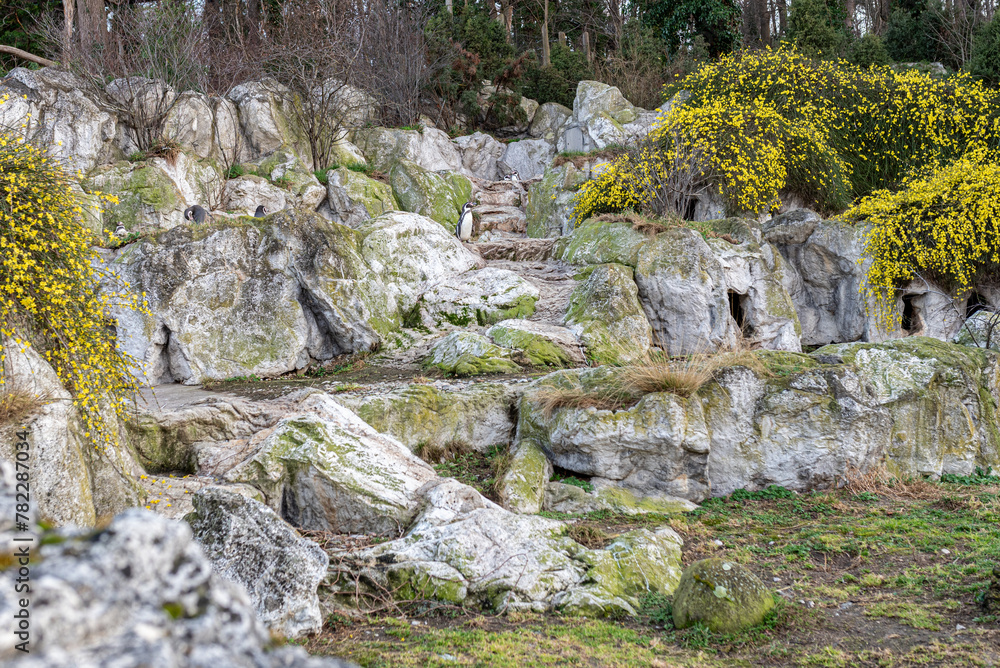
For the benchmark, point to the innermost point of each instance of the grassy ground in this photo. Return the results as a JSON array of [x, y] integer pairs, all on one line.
[[883, 574]]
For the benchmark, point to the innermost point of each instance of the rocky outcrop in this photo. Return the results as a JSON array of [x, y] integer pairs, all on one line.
[[480, 153], [605, 314], [428, 148], [73, 483], [437, 196], [138, 592], [323, 467], [529, 157], [250, 545], [354, 198], [268, 120], [602, 116], [548, 120], [538, 343], [469, 354], [437, 414], [245, 193], [600, 242], [480, 297]]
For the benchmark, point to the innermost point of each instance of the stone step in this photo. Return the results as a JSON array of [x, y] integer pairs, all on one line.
[[516, 249], [501, 219]]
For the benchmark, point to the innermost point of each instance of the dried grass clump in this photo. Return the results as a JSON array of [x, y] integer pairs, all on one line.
[[589, 535], [658, 373], [437, 453], [17, 401], [554, 398], [877, 480]]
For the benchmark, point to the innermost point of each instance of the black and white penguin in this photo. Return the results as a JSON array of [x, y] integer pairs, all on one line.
[[196, 213], [464, 228], [120, 231], [260, 212]]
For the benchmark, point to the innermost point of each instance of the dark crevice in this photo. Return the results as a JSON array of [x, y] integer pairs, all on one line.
[[738, 312], [323, 343], [691, 208], [975, 304], [910, 320]]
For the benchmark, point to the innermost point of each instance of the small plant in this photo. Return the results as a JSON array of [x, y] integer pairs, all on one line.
[[137, 156], [235, 171], [769, 493], [435, 453], [321, 175], [573, 480], [588, 535]]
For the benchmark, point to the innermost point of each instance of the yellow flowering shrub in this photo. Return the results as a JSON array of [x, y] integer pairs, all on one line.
[[50, 297], [944, 224], [773, 122]]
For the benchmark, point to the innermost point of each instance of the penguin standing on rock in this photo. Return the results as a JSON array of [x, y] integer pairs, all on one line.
[[464, 228], [120, 231], [197, 214], [260, 212]]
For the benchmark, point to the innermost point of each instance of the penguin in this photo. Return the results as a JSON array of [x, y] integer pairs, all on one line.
[[260, 212], [464, 228], [196, 213], [120, 231]]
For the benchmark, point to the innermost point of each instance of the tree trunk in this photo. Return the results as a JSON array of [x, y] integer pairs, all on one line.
[[782, 17], [849, 20], [92, 25], [69, 18], [546, 54]]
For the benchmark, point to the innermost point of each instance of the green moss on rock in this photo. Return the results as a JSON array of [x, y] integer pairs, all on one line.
[[722, 595]]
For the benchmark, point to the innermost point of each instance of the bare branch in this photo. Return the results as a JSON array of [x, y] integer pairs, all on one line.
[[24, 55]]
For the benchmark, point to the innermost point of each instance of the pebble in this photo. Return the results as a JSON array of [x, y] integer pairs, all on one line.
[[845, 606], [717, 543], [945, 551], [447, 657], [959, 627], [776, 579]]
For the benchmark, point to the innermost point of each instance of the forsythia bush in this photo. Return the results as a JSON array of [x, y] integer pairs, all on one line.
[[944, 225], [49, 292], [774, 121]]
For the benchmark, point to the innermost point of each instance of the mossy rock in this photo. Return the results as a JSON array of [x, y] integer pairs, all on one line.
[[722, 595], [523, 484], [598, 242], [469, 354], [605, 313]]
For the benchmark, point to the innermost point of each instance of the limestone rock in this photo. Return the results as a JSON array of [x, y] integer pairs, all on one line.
[[548, 119], [522, 487], [139, 592], [540, 344], [416, 414], [147, 196], [268, 119], [250, 545], [980, 330], [606, 117], [723, 595], [501, 219], [429, 148], [469, 354], [437, 196], [605, 314], [571, 499], [190, 123], [355, 198], [550, 203], [483, 297], [246, 193], [409, 253], [78, 132], [324, 468], [529, 157], [660, 446], [598, 242], [480, 153], [682, 287], [72, 482], [301, 185]]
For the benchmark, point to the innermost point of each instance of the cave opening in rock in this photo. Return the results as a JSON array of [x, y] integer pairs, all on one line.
[[323, 343], [910, 319], [738, 312], [568, 477], [975, 304], [690, 208]]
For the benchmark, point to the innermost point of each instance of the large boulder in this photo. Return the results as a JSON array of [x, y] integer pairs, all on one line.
[[268, 119], [250, 545], [429, 148], [49, 107], [147, 196], [190, 122], [437, 414], [539, 344], [659, 446], [522, 487], [605, 314], [230, 299], [599, 242], [482, 297], [603, 116], [548, 120], [463, 549], [469, 354], [138, 592], [437, 196], [480, 153], [354, 197], [324, 468], [682, 287], [529, 157], [245, 193], [73, 483], [723, 595], [551, 200], [409, 253], [299, 182]]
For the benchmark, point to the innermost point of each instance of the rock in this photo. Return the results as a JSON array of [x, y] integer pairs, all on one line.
[[324, 468], [190, 123], [549, 118], [791, 228], [287, 171], [423, 414], [139, 592], [246, 193], [722, 595], [599, 242], [469, 354], [682, 287], [571, 499], [540, 343], [250, 545], [229, 299], [55, 112], [501, 219], [980, 330], [268, 119], [429, 148], [465, 550], [633, 565], [147, 196], [522, 487], [483, 297], [530, 109], [348, 106], [355, 198], [605, 314], [409, 253], [437, 196], [529, 157], [480, 153], [660, 446], [550, 201], [72, 482], [517, 250], [754, 276], [605, 117]]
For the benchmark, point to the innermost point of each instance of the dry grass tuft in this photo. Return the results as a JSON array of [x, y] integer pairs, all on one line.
[[16, 403], [877, 480], [658, 373], [436, 453], [580, 160], [588, 535], [554, 398], [648, 226]]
